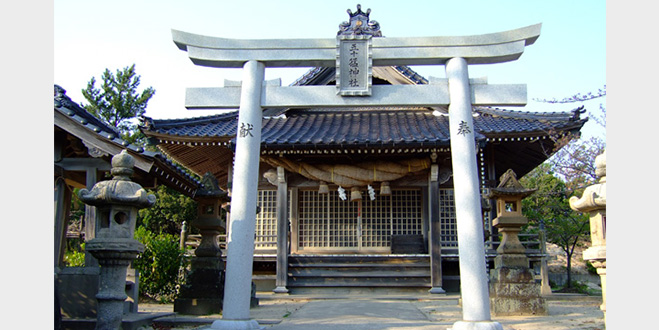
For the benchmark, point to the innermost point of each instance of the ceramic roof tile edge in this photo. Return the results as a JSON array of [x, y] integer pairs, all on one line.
[[572, 115], [149, 122], [66, 106], [64, 102], [481, 137], [566, 121], [320, 73], [353, 110], [309, 76]]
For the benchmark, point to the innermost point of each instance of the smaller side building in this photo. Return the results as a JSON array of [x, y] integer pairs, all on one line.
[[84, 147]]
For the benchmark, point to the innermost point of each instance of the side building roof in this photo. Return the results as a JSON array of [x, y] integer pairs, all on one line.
[[84, 139]]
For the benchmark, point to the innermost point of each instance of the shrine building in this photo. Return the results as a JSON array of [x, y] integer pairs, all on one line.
[[366, 186]]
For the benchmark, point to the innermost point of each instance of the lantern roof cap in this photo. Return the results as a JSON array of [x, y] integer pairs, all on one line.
[[120, 190], [509, 186], [211, 188]]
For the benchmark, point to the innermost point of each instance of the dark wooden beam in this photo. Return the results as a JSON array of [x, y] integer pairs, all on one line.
[[435, 232], [282, 232]]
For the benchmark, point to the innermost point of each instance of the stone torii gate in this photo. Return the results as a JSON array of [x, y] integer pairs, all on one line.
[[353, 89]]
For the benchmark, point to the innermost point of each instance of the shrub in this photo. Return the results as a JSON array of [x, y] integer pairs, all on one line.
[[75, 257], [158, 265]]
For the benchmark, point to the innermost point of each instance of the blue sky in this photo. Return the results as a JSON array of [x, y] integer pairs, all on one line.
[[89, 36]]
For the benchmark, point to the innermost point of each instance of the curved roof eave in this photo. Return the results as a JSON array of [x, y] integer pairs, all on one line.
[[156, 162]]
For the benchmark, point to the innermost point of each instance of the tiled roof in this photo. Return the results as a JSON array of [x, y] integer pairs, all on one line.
[[321, 76], [500, 122], [163, 165], [65, 105], [356, 128], [359, 126], [222, 125], [327, 128]]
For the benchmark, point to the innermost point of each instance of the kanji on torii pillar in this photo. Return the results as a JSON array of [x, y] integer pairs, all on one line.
[[253, 95]]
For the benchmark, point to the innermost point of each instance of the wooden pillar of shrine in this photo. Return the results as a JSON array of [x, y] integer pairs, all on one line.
[[281, 280], [435, 232]]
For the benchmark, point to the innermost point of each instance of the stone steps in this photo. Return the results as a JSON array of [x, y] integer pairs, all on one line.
[[348, 272]]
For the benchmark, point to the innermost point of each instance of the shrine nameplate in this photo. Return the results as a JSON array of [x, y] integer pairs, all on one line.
[[354, 64]]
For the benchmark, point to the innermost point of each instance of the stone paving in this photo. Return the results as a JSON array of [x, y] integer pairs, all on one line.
[[370, 313]]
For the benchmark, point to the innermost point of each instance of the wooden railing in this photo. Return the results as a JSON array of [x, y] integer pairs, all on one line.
[[194, 240], [531, 242]]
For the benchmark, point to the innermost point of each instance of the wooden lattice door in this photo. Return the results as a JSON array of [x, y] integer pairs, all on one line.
[[327, 223]]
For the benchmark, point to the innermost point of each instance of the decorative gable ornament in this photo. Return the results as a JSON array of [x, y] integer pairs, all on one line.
[[360, 24], [354, 55]]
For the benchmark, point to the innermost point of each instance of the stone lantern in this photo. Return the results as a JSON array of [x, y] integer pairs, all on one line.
[[513, 290], [209, 203], [117, 202], [203, 292], [593, 201]]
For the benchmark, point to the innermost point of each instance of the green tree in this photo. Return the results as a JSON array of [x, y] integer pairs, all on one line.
[[118, 103], [573, 157], [568, 171], [575, 162], [169, 212], [549, 206]]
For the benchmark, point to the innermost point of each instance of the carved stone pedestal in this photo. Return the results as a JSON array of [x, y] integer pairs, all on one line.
[[203, 292], [513, 290], [114, 262]]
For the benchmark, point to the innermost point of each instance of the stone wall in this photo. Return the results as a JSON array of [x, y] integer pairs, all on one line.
[[561, 278]]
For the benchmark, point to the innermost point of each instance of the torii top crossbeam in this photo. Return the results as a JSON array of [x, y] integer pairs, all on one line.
[[477, 49]]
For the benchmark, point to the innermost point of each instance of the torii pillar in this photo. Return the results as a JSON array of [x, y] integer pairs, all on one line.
[[469, 219], [240, 242]]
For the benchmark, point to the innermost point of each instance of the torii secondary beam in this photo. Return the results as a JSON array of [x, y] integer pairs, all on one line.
[[382, 95]]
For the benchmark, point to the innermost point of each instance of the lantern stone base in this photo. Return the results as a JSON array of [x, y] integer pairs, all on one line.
[[203, 292], [513, 291], [198, 306], [597, 256], [511, 261]]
